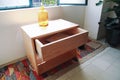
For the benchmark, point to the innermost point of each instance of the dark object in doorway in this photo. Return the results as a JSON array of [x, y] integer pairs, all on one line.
[[112, 24], [113, 36]]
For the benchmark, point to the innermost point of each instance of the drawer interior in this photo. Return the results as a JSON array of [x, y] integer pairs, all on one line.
[[57, 36], [57, 44]]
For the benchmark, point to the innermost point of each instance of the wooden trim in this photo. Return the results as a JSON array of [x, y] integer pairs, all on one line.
[[30, 50]]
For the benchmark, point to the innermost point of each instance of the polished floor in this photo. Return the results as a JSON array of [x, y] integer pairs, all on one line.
[[104, 66]]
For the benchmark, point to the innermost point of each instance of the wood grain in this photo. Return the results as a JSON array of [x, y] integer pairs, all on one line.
[[44, 56], [56, 48]]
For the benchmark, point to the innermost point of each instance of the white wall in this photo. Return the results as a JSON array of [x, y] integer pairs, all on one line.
[[11, 42], [75, 14], [92, 17]]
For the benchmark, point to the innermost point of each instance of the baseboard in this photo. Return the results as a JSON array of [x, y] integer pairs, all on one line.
[[14, 61]]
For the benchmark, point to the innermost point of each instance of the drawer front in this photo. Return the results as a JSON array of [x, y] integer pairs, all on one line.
[[50, 64], [62, 46]]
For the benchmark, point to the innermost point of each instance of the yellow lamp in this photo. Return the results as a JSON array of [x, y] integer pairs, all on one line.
[[43, 17]]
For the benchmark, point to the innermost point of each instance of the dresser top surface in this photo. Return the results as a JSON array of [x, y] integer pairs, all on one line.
[[34, 30]]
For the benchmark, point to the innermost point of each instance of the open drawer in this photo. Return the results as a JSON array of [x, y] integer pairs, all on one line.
[[51, 46]]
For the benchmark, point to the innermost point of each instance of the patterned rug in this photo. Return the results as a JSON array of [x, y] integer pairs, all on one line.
[[21, 69], [88, 48]]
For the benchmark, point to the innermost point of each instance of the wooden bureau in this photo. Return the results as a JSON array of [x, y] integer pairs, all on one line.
[[49, 47]]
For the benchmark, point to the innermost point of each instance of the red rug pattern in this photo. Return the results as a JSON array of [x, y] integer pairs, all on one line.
[[21, 70]]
